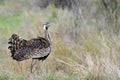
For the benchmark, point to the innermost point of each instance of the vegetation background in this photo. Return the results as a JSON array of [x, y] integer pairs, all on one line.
[[85, 38]]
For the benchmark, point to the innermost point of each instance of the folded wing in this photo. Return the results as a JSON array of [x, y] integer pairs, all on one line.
[[37, 48]]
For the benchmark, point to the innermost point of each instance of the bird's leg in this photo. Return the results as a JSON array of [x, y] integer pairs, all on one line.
[[32, 65], [20, 66]]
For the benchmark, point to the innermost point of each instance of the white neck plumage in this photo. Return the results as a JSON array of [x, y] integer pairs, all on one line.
[[47, 36]]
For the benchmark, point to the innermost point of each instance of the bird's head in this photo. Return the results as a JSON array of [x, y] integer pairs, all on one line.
[[46, 26]]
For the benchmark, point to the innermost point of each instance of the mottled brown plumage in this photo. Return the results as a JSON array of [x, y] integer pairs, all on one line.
[[36, 48]]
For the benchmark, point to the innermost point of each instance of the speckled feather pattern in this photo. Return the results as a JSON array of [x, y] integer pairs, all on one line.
[[36, 48]]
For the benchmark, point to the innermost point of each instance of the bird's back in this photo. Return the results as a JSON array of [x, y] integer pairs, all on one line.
[[36, 48]]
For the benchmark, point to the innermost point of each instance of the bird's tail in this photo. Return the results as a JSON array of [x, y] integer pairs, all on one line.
[[15, 44]]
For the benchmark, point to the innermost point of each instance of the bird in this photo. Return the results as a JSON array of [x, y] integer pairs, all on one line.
[[36, 48]]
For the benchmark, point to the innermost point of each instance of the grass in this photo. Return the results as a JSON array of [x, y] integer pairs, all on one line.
[[6, 76], [10, 20], [84, 53]]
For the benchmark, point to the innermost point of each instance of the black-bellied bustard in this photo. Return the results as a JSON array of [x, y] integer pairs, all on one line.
[[35, 48]]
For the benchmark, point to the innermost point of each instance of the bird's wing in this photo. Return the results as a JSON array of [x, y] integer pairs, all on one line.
[[38, 43], [37, 47]]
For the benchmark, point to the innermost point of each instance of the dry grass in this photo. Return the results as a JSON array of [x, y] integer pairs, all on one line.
[[84, 53]]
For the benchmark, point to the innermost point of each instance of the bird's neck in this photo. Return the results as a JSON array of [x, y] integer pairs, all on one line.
[[47, 36]]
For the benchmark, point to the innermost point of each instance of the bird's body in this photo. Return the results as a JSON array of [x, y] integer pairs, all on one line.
[[36, 48]]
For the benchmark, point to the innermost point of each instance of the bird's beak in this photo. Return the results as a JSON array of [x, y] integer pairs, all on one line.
[[49, 24]]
